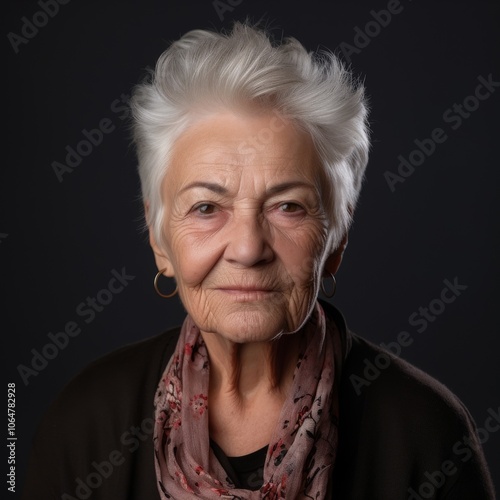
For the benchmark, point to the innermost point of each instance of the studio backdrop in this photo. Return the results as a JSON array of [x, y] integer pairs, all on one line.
[[420, 274]]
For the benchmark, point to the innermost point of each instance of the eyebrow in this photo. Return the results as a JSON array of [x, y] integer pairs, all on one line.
[[276, 189], [286, 186], [211, 186]]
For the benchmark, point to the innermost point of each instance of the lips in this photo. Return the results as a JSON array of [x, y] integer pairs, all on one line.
[[247, 293], [237, 288]]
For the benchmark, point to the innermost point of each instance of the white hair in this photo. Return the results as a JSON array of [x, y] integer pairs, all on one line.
[[205, 71]]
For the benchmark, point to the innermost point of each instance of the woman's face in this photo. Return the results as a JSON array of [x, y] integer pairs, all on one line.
[[245, 230]]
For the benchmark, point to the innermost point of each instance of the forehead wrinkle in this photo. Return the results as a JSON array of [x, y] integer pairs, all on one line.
[[273, 182], [225, 151], [237, 159], [203, 154]]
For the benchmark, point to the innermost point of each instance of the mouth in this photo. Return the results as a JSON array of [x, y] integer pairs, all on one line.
[[247, 293]]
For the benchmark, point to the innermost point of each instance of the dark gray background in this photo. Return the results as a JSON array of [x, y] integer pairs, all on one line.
[[59, 241]]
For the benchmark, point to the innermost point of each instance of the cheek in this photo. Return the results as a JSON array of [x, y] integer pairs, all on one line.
[[298, 250], [193, 258], [303, 254]]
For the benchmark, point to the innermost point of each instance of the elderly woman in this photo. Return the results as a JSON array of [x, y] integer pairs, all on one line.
[[251, 161]]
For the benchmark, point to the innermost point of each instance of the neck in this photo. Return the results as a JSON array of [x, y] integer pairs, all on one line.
[[243, 372], [248, 386]]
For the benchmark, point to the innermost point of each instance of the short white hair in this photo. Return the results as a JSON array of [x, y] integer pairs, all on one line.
[[205, 71]]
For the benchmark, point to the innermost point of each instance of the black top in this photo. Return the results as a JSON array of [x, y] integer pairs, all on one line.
[[245, 472], [402, 435]]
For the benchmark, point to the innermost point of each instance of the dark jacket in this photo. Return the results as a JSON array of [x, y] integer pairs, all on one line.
[[402, 435]]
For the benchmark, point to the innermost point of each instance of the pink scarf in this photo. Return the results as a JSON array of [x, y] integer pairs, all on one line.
[[302, 451]]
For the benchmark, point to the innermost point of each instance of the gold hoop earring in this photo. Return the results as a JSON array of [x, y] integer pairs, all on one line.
[[334, 287], [155, 283]]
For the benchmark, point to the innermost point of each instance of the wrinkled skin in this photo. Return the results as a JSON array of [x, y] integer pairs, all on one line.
[[246, 234], [247, 239]]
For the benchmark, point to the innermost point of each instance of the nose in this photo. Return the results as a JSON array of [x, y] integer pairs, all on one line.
[[248, 240]]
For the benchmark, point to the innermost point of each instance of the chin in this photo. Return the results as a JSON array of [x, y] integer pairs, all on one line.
[[255, 326]]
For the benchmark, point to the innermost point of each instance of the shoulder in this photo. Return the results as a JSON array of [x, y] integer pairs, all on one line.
[[408, 429], [129, 374], [102, 419], [379, 377], [402, 433]]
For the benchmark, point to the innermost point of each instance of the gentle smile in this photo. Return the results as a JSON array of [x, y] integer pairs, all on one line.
[[246, 289], [247, 293]]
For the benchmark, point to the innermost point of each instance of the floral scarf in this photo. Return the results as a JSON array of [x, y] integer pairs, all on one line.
[[302, 450]]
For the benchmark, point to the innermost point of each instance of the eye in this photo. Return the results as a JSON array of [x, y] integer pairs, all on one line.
[[290, 207], [205, 209]]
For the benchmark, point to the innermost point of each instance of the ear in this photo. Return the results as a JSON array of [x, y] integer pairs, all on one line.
[[161, 257], [333, 262]]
